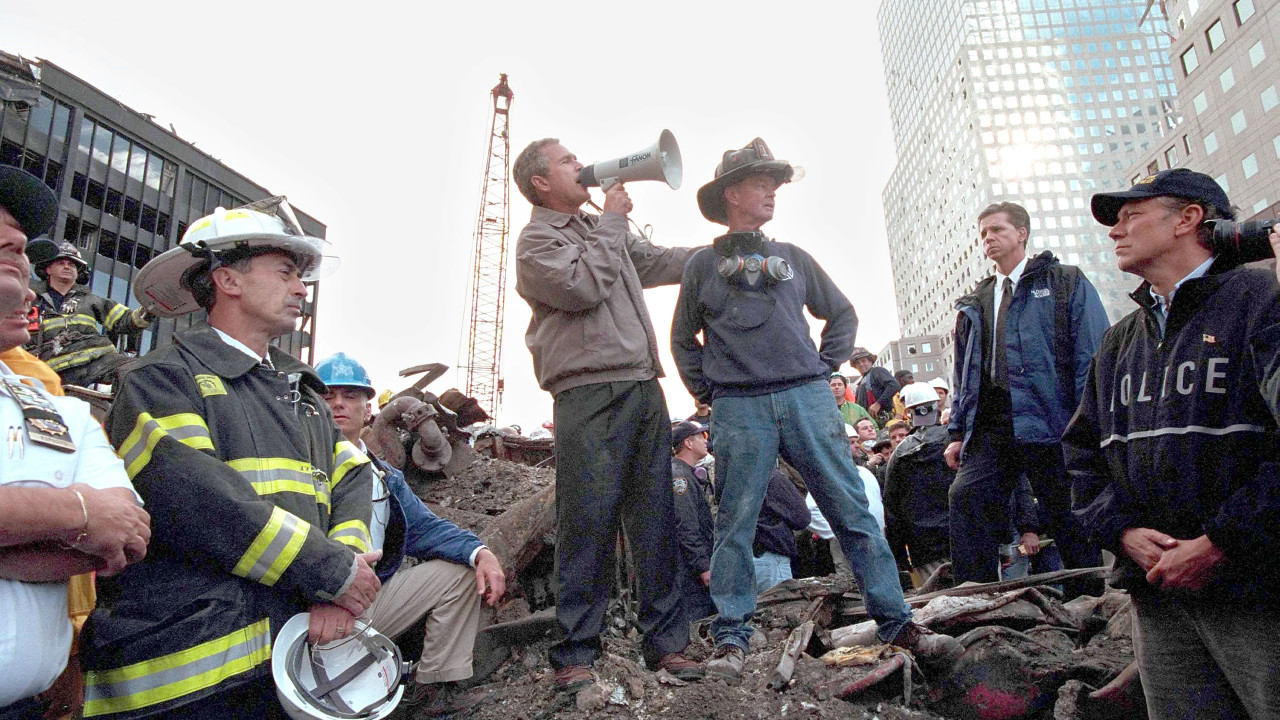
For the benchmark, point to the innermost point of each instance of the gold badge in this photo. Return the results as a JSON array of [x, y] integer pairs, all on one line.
[[210, 385]]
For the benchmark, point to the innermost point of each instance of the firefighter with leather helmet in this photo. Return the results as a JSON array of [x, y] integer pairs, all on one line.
[[77, 331], [260, 507]]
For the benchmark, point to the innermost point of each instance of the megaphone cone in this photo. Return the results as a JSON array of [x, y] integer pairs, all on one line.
[[659, 161]]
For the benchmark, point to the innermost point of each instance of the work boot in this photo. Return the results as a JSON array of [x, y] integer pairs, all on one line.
[[681, 667], [928, 646], [727, 663], [435, 699], [573, 677]]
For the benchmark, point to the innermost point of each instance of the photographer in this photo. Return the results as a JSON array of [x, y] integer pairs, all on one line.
[[1173, 452]]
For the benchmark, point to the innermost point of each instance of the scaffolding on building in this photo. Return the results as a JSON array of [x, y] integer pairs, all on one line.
[[489, 264]]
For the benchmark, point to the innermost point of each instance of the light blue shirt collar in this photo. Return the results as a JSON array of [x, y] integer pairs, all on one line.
[[1162, 304]]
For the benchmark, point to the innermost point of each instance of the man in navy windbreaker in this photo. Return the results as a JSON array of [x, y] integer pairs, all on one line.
[[1023, 341], [457, 571]]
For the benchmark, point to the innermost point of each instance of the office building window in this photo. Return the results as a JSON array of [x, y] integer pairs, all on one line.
[[926, 348], [1171, 157], [1189, 60], [1186, 145], [1200, 102], [1244, 10], [1222, 181], [1211, 143], [1275, 145], [1215, 35], [1227, 79], [1257, 54], [1268, 98], [1238, 123], [1250, 166]]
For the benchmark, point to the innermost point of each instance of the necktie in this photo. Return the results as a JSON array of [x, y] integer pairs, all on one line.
[[1000, 359]]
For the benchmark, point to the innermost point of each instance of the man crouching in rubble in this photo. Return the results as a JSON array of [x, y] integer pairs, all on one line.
[[595, 351], [1174, 457], [444, 588], [767, 383]]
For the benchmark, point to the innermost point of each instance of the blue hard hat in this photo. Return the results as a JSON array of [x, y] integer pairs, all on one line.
[[338, 370]]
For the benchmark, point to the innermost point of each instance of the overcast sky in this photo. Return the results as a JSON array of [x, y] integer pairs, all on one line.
[[373, 117]]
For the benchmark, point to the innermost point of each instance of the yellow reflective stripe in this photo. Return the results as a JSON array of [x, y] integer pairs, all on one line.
[[276, 475], [187, 428], [54, 322], [151, 682], [354, 533], [345, 457], [79, 357], [114, 316], [275, 547]]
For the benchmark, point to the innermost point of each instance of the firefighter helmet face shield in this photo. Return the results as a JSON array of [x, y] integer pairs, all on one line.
[[359, 676]]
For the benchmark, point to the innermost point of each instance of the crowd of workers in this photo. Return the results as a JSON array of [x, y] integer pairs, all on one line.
[[253, 557]]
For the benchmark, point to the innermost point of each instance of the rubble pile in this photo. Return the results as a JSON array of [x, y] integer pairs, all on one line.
[[1028, 654]]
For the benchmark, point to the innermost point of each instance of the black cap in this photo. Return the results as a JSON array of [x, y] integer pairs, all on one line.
[[684, 430], [1178, 182], [28, 200]]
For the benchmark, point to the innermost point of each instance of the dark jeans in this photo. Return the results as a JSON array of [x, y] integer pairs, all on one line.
[[613, 465], [695, 598], [979, 500]]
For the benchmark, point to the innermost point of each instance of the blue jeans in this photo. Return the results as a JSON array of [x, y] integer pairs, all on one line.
[[804, 426], [771, 569]]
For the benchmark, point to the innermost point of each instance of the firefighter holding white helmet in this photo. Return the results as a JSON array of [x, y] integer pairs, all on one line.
[[260, 507], [78, 330]]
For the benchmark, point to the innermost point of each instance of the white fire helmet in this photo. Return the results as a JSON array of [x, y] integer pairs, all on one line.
[[163, 286], [359, 676]]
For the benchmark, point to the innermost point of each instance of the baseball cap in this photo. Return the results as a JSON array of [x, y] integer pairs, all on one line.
[[28, 200], [684, 429], [1178, 182]]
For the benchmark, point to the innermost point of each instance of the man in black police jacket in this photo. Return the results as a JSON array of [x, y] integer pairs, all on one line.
[[1173, 453]]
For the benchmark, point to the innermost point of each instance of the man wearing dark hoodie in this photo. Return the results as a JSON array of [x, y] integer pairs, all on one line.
[[741, 341], [1023, 341]]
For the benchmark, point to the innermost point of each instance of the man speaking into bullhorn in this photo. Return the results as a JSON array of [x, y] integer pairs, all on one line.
[[595, 351]]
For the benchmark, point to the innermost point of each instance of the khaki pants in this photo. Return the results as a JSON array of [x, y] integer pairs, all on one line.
[[446, 594]]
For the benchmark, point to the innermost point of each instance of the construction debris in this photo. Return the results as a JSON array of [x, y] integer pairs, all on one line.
[[1028, 654]]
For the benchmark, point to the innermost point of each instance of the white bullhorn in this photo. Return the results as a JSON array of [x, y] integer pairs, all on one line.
[[659, 161]]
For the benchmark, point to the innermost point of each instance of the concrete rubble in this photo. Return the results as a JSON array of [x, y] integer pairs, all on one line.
[[1029, 653]]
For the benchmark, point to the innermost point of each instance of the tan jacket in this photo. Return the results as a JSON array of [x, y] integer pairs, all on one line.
[[583, 276]]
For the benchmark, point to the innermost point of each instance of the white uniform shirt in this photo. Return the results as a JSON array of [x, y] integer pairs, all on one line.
[[35, 634], [822, 528]]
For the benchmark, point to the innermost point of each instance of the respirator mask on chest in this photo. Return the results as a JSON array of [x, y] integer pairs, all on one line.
[[742, 255]]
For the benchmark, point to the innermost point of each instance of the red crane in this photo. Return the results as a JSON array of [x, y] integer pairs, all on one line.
[[489, 266]]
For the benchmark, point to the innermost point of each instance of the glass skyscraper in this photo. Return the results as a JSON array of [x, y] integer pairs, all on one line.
[[1039, 102]]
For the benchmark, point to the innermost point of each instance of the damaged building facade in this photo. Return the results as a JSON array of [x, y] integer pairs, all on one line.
[[127, 188]]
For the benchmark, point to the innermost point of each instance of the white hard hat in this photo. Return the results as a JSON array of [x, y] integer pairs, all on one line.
[[163, 285], [918, 393], [850, 431], [360, 676], [940, 384]]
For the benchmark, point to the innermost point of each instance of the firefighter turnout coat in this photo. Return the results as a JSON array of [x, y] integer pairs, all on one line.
[[258, 506], [69, 334]]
